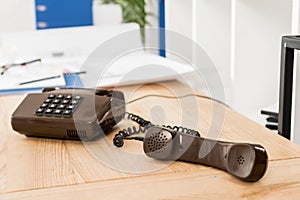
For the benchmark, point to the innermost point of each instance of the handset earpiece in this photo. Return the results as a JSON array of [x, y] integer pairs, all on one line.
[[245, 161]]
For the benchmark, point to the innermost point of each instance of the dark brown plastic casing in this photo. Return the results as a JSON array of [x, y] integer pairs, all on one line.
[[245, 161], [98, 111]]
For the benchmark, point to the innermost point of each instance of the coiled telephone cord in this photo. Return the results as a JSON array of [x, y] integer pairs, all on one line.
[[126, 134]]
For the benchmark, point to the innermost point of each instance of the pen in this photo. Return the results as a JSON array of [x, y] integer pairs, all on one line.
[[51, 77], [42, 79], [74, 73]]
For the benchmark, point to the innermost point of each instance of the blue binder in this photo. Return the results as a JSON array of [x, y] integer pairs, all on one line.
[[63, 13]]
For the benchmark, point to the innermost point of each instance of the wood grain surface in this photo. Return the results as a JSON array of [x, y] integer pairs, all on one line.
[[60, 169]]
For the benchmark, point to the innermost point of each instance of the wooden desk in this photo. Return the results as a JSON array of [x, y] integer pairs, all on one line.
[[33, 168]]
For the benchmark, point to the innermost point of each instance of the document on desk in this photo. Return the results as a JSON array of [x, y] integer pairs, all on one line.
[[136, 68], [36, 75]]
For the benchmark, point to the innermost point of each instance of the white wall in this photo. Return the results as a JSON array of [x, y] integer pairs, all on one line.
[[179, 19], [259, 27], [179, 16], [206, 22], [17, 15], [152, 7], [243, 39], [213, 25]]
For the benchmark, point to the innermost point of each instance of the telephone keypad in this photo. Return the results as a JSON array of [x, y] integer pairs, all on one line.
[[59, 105]]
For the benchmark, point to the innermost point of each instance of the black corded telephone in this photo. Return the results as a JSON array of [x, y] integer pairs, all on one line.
[[69, 113]]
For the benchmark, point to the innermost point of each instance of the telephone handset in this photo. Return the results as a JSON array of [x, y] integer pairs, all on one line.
[[69, 113], [246, 161], [243, 160]]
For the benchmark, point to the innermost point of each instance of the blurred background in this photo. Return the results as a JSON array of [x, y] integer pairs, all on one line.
[[242, 37]]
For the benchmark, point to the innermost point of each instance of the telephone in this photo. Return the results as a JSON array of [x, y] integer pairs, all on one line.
[[83, 114], [79, 114]]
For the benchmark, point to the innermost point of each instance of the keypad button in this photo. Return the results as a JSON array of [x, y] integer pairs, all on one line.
[[53, 106], [71, 107], [65, 101], [74, 102], [48, 112], [67, 113], [61, 106], [44, 105], [56, 101], [57, 112], [68, 97], [48, 101], [51, 96], [39, 112], [77, 97], [60, 96]]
